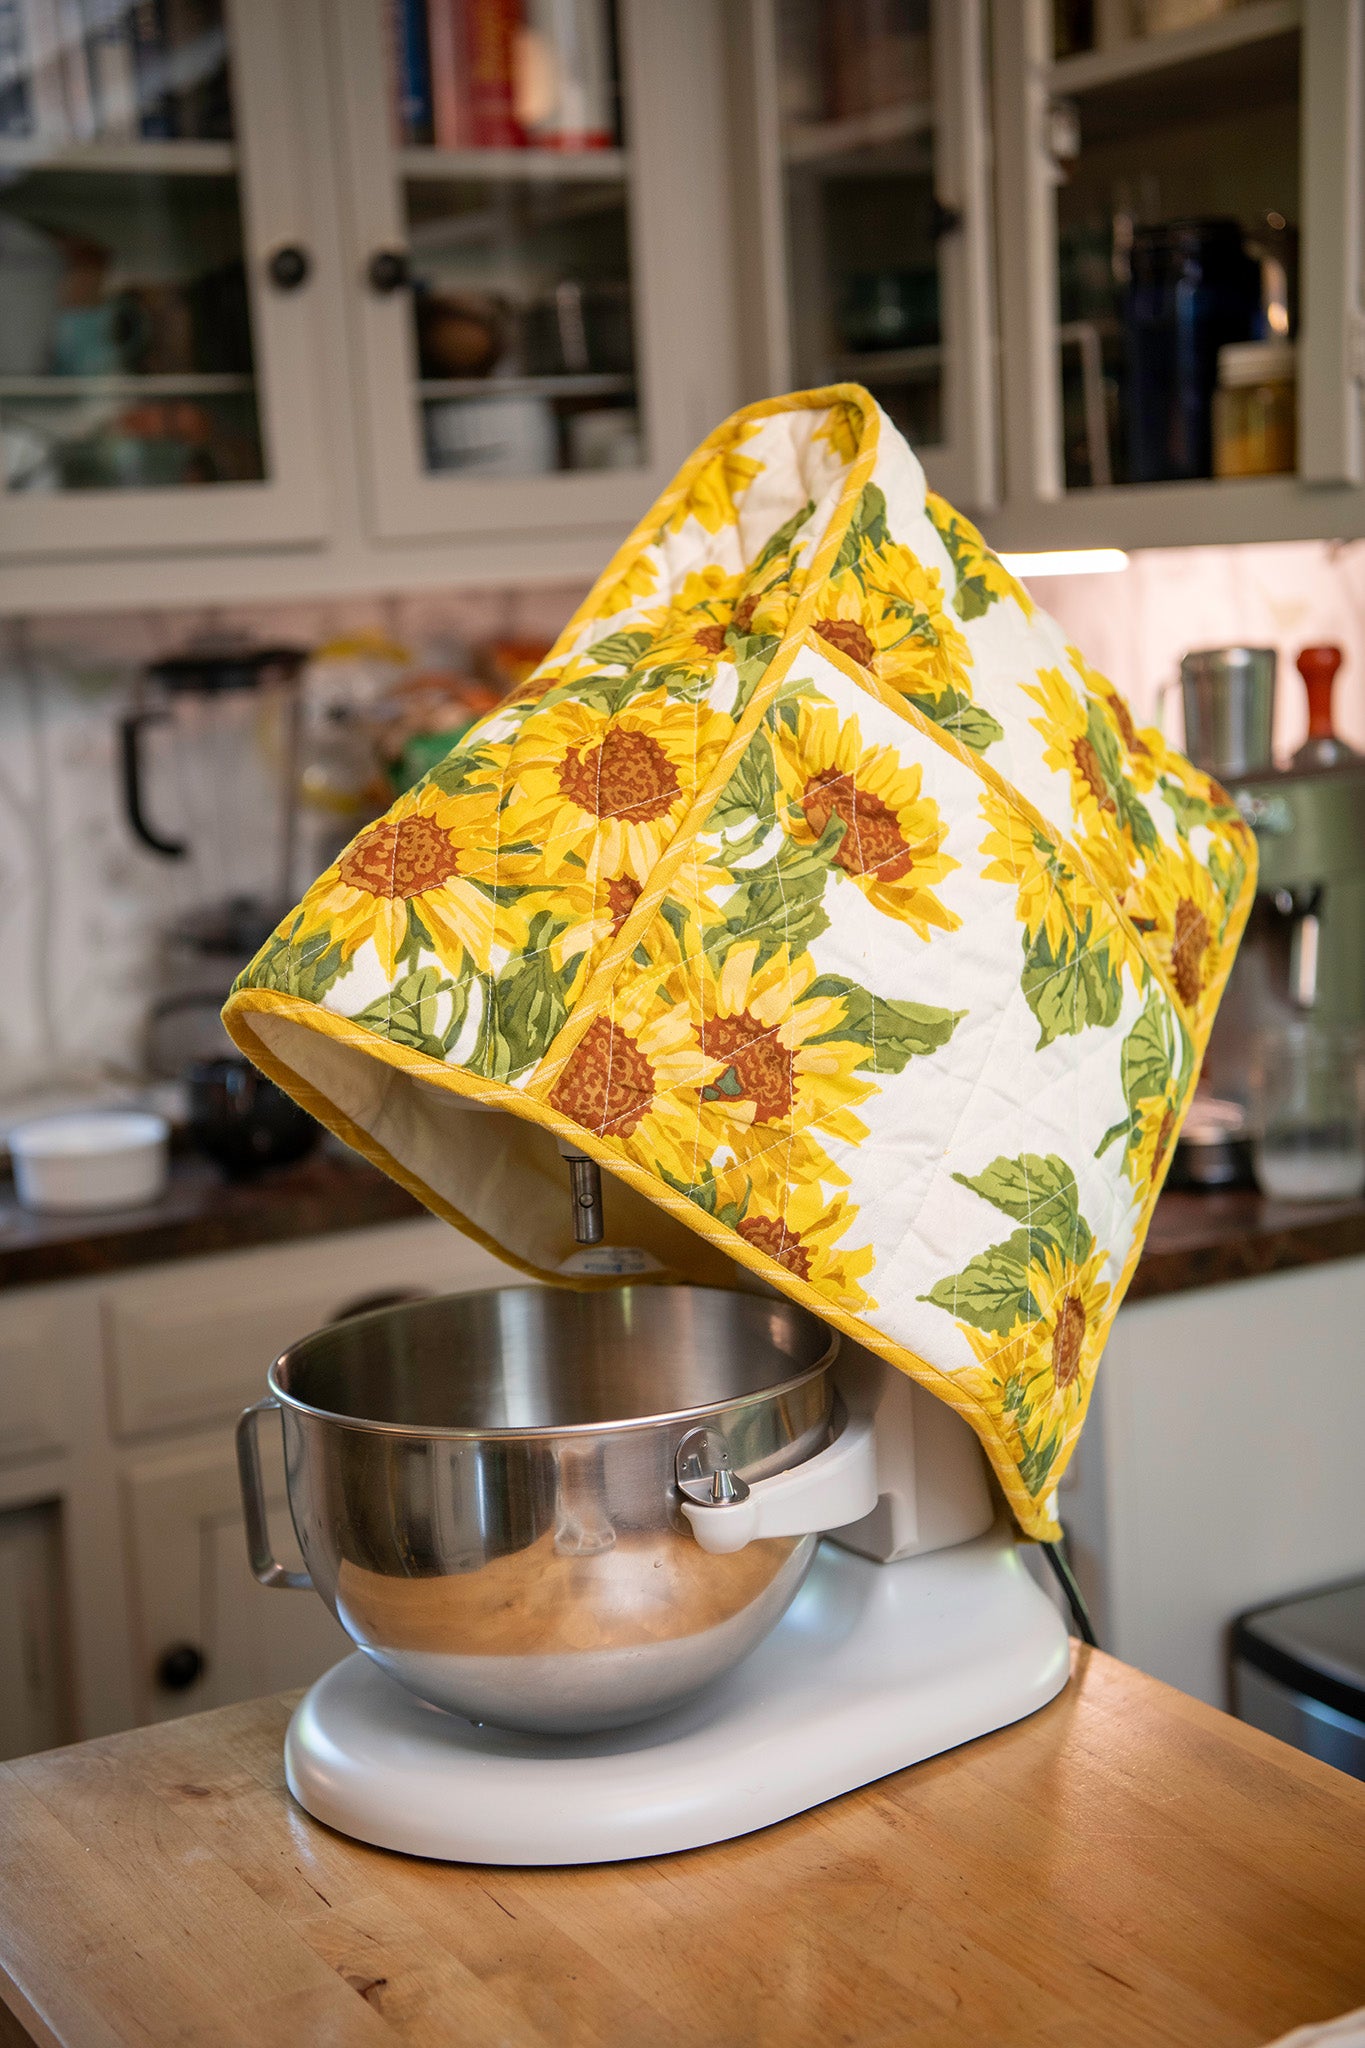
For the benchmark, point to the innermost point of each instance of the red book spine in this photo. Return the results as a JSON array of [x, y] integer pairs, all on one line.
[[450, 125], [490, 30]]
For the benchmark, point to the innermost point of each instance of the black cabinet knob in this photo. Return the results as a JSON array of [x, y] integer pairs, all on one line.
[[943, 220], [288, 267], [388, 271], [179, 1667]]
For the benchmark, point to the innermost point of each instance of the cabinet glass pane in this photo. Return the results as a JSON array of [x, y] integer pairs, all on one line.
[[855, 92], [516, 202], [1178, 238], [126, 357]]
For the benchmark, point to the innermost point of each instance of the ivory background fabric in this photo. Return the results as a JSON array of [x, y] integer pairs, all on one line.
[[819, 889]]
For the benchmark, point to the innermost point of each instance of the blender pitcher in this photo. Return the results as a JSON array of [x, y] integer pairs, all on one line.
[[210, 772]]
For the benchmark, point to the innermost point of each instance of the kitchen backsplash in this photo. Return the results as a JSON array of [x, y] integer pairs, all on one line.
[[81, 903]]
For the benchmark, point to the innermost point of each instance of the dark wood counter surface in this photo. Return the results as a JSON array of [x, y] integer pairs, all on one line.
[[1196, 1240], [1205, 1240], [200, 1212], [1125, 1869]]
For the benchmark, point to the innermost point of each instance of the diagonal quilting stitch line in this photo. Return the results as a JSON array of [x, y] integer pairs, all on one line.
[[605, 974]]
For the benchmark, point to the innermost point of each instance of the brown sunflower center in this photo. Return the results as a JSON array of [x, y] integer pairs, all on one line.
[[623, 893], [758, 1060], [1067, 1340], [1188, 947], [1163, 1139], [710, 639], [400, 859], [850, 639], [629, 771], [1088, 761], [769, 1234], [1123, 719], [744, 613], [873, 841], [607, 1084]]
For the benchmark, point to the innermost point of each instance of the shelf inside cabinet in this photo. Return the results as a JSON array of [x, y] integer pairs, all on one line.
[[905, 365], [587, 384], [190, 384], [1140, 57], [826, 142], [557, 166], [125, 159]]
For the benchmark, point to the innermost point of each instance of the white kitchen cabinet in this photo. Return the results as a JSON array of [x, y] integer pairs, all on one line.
[[1254, 114], [866, 168], [206, 1633], [156, 392], [1220, 1465], [334, 455], [34, 1705], [125, 1592]]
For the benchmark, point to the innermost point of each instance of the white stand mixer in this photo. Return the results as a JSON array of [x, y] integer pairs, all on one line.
[[918, 1628]]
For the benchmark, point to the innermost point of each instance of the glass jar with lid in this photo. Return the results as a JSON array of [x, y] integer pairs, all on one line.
[[1255, 411]]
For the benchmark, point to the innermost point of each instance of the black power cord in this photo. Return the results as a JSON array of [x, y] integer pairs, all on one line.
[[1075, 1599]]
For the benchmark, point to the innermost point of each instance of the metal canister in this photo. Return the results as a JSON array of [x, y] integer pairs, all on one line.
[[1229, 702]]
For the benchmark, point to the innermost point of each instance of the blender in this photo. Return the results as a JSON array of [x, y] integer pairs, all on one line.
[[209, 760]]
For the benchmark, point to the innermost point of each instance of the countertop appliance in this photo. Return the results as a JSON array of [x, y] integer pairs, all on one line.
[[218, 798], [1298, 1671], [640, 1539], [1304, 949]]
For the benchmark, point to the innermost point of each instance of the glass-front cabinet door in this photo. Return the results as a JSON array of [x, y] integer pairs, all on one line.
[[872, 169], [1180, 204], [154, 274], [526, 189]]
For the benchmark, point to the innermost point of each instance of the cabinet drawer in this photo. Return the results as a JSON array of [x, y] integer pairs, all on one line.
[[38, 1332], [191, 1343]]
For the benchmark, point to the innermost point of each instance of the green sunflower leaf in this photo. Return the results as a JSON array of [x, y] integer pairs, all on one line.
[[1189, 809], [407, 1015], [779, 542], [1041, 1193], [751, 789], [524, 1007], [970, 723], [621, 650], [992, 1291], [894, 1032], [1072, 988]]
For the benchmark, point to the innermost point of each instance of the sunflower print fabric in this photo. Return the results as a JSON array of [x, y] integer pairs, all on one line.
[[823, 893]]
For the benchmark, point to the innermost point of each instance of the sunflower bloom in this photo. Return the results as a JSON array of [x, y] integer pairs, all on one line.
[[893, 835], [798, 1226], [634, 1077], [609, 789], [1037, 1379], [1178, 906], [425, 861], [771, 1089]]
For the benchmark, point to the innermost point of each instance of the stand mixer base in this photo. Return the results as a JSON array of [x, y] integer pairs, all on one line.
[[873, 1667]]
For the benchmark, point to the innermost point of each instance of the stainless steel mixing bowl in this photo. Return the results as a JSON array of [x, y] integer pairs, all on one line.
[[483, 1489]]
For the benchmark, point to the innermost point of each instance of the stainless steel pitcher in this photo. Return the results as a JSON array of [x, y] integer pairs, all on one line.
[[1229, 701]]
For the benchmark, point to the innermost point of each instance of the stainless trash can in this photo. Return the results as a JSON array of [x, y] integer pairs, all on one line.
[[1298, 1671]]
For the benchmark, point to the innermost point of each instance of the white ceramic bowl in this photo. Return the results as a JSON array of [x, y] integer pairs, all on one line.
[[91, 1159]]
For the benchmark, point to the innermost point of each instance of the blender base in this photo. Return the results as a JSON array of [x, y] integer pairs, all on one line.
[[873, 1667]]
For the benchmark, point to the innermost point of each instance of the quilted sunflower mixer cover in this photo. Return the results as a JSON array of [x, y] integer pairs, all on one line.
[[822, 892]]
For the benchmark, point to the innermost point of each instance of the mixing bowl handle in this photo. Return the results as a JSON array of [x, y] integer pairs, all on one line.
[[838, 1485], [264, 1563]]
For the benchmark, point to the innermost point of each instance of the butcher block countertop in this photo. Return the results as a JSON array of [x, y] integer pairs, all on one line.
[[1126, 1868]]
